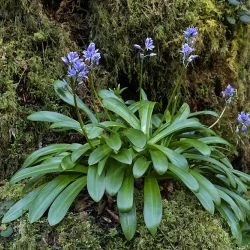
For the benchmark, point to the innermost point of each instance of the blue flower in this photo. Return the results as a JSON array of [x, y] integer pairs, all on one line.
[[186, 51], [70, 58], [149, 44], [78, 69], [244, 122], [92, 55], [137, 46], [228, 93], [190, 32]]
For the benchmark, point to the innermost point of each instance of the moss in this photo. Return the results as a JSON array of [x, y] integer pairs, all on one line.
[[30, 57], [185, 225]]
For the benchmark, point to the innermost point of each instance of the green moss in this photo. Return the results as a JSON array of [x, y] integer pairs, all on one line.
[[30, 57]]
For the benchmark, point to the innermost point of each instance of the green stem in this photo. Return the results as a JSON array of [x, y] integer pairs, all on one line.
[[79, 116], [222, 113], [95, 95], [141, 78]]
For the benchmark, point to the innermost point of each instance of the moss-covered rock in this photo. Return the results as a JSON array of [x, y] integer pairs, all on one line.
[[185, 225]]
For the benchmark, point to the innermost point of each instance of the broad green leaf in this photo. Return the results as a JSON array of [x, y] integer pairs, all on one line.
[[128, 222], [67, 125], [78, 153], [207, 185], [125, 195], [62, 203], [232, 221], [95, 184], [140, 167], [48, 116], [156, 120], [146, 111], [65, 93], [160, 162], [136, 137], [205, 199], [47, 195], [185, 177], [114, 177], [189, 143], [213, 140], [20, 207], [125, 156], [215, 164], [98, 154], [152, 204], [245, 18], [183, 113], [109, 124], [134, 107], [101, 165], [122, 111], [67, 163], [238, 213], [51, 149], [38, 170], [93, 131], [204, 112], [245, 177], [104, 93], [239, 200], [114, 141], [174, 127], [176, 158]]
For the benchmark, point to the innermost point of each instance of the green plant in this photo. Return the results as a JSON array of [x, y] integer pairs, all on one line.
[[243, 12], [128, 143]]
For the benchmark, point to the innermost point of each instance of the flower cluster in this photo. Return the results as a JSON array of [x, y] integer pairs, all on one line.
[[244, 122], [228, 93], [79, 67], [190, 35], [147, 51]]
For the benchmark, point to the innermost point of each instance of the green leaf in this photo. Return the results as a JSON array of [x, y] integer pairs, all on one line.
[[104, 93], [152, 204], [19, 208], [174, 127], [128, 222], [136, 137], [7, 232], [78, 153], [160, 162], [38, 170], [207, 185], [98, 154], [114, 177], [125, 156], [95, 184], [109, 124], [185, 177], [114, 141], [101, 165], [140, 167], [48, 116], [183, 113], [176, 158], [64, 200], [125, 195], [238, 213], [204, 112], [67, 163], [67, 125], [146, 111], [47, 195], [245, 18], [205, 199], [213, 140], [65, 93], [232, 221], [189, 143], [121, 110], [93, 131], [51, 149]]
